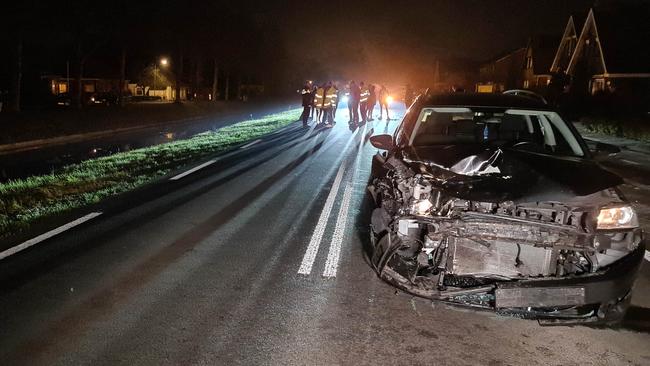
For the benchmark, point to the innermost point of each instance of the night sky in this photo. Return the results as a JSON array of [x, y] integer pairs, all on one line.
[[391, 41]]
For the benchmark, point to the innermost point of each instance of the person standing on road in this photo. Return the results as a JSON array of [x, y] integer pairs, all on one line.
[[355, 95], [363, 102], [337, 100], [307, 101], [328, 105], [313, 101], [372, 100], [319, 103], [383, 102], [408, 96]]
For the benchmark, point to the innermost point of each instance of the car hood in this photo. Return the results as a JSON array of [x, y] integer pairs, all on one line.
[[494, 174]]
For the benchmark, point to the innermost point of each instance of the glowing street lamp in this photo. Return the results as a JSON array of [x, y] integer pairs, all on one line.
[[163, 63]]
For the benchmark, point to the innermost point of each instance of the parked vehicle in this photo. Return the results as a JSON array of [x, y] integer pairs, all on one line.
[[104, 98], [493, 201]]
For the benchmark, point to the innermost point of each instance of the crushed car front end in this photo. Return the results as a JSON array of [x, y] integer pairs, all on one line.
[[524, 233], [544, 260]]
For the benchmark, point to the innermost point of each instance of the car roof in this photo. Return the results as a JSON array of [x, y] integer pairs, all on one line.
[[484, 100]]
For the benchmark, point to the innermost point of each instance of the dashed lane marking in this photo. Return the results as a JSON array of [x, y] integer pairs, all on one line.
[[316, 238], [199, 167], [334, 254], [250, 144], [47, 235], [631, 162]]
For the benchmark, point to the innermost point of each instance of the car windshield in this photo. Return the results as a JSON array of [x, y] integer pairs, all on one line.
[[529, 130]]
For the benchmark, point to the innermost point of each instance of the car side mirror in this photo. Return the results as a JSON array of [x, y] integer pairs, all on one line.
[[382, 142]]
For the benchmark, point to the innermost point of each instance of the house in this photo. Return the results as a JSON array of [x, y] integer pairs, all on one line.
[[502, 73], [567, 44], [61, 85], [612, 54], [539, 55]]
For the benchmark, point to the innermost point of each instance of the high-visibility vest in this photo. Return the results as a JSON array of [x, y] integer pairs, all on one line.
[[330, 98], [319, 98], [365, 93]]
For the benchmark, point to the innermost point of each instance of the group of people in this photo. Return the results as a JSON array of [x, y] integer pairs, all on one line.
[[321, 102]]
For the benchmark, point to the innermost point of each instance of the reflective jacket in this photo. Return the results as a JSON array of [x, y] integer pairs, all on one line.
[[330, 97], [319, 98], [365, 93]]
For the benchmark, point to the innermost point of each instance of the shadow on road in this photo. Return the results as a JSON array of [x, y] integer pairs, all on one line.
[[15, 272], [637, 319], [122, 289]]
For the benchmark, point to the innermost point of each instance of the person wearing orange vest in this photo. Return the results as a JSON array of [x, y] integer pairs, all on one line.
[[363, 102], [319, 102], [328, 105]]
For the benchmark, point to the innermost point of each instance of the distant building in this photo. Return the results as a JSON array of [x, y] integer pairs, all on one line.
[[605, 53], [612, 54], [567, 44], [540, 53], [503, 72]]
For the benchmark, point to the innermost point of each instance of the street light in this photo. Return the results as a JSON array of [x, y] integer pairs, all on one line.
[[163, 62]]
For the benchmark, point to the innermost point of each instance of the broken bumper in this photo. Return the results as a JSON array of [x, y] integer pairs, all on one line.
[[587, 297]]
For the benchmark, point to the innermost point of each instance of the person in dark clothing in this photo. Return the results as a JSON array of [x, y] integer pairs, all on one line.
[[337, 100], [307, 101], [408, 96], [372, 100], [355, 96], [313, 103]]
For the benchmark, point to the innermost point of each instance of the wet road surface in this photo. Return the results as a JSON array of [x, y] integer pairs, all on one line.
[[209, 274]]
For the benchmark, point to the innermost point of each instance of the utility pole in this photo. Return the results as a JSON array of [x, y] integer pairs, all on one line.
[[18, 76], [215, 81]]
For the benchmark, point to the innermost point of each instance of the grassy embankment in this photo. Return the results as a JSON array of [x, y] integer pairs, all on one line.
[[26, 200]]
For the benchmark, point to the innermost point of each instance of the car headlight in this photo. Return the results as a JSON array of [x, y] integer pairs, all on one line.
[[421, 207], [622, 217]]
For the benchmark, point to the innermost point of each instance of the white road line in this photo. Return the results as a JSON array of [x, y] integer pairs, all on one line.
[[184, 174], [631, 162], [332, 263], [316, 238], [47, 235], [647, 255], [250, 144], [334, 254]]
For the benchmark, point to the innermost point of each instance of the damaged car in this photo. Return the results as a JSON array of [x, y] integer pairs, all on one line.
[[495, 202]]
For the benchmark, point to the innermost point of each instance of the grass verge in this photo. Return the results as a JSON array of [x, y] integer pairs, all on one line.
[[23, 201], [631, 128]]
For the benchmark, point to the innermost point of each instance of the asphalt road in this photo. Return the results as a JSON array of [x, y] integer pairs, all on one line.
[[208, 273]]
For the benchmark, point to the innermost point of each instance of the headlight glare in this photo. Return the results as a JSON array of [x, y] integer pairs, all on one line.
[[622, 217]]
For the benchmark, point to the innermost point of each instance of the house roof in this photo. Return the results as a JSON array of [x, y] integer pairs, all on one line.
[[624, 35], [544, 48]]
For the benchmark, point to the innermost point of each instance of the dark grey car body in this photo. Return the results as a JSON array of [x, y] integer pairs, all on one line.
[[496, 223]]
